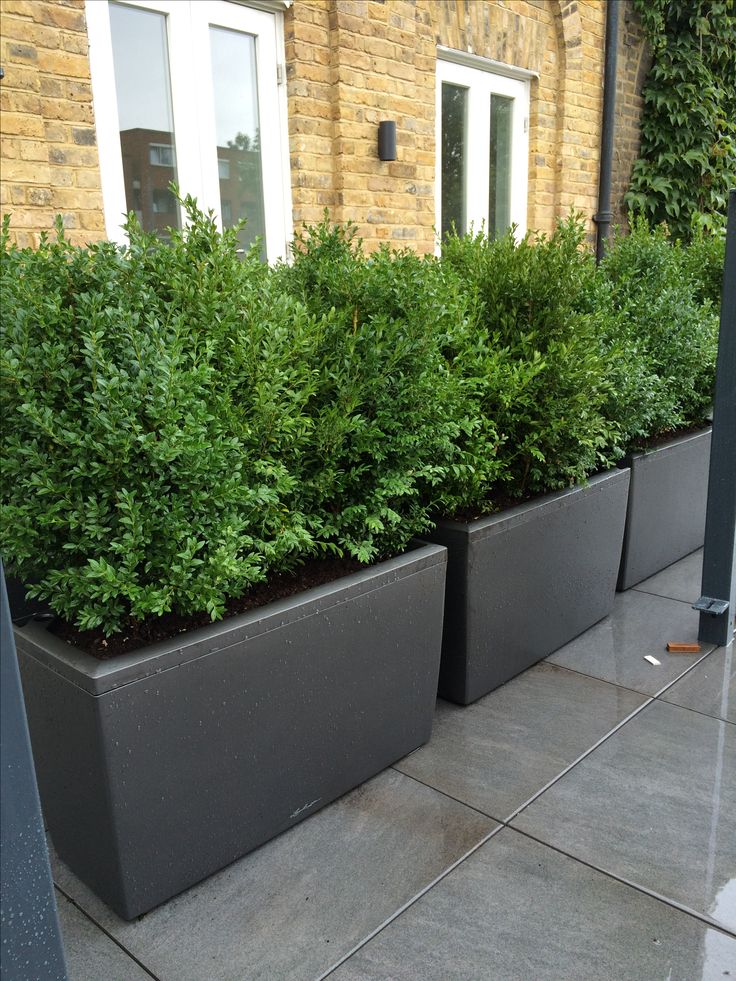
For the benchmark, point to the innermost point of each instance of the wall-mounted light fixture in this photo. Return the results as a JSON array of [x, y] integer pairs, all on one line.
[[387, 140]]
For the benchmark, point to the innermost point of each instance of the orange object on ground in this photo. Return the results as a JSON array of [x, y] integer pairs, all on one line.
[[674, 648]]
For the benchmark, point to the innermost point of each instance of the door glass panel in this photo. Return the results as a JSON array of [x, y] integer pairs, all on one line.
[[141, 63], [238, 133], [454, 150], [499, 197]]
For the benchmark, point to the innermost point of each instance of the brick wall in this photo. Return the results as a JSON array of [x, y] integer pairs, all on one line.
[[634, 60], [350, 64], [49, 158]]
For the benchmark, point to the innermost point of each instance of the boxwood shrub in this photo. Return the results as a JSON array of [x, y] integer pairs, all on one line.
[[662, 326], [537, 346], [179, 422], [397, 432], [153, 403]]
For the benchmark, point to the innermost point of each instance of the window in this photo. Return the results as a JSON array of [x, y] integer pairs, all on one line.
[[164, 202], [161, 155], [482, 147], [181, 90]]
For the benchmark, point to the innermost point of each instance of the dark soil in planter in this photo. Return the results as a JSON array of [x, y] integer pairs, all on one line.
[[498, 501], [140, 633], [662, 439]]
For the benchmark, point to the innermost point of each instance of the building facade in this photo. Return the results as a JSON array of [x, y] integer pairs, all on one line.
[[270, 110]]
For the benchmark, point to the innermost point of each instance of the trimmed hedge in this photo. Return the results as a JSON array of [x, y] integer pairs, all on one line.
[[179, 421]]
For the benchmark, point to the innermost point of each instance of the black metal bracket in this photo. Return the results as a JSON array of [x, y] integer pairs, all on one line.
[[715, 607]]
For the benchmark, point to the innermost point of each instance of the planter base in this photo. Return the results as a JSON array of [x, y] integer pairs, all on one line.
[[164, 765], [522, 583], [665, 520]]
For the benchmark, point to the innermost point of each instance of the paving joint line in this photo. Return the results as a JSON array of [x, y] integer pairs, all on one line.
[[102, 929], [449, 796], [591, 677], [506, 823], [407, 905], [636, 691], [644, 890], [675, 599], [571, 766], [704, 715]]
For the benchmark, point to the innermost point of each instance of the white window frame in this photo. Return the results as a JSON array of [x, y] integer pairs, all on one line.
[[482, 78], [192, 101]]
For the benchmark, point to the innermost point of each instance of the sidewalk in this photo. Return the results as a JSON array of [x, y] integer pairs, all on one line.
[[577, 823]]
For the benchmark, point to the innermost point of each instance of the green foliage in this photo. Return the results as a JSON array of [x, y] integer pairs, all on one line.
[[152, 403], [178, 421], [395, 431], [688, 148], [545, 372], [664, 340], [703, 259]]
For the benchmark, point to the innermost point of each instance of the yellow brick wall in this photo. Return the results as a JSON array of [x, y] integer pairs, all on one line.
[[350, 64], [48, 160]]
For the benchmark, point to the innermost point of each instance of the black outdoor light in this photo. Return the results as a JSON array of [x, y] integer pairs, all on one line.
[[387, 140]]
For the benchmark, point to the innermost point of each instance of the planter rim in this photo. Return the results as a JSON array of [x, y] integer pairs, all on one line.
[[98, 677], [673, 445], [494, 524]]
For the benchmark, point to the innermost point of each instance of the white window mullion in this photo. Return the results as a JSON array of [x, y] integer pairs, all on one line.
[[520, 161], [105, 105], [201, 109], [184, 87], [271, 149]]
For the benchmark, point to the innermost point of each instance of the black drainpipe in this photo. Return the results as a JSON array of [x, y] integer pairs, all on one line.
[[604, 216]]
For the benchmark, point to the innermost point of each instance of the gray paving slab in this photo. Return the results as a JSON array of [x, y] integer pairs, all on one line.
[[640, 625], [656, 805], [500, 751], [680, 581], [90, 955], [710, 687], [518, 910], [293, 907]]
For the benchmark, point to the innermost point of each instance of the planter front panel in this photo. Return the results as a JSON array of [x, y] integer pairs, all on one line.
[[154, 785], [525, 582], [667, 502]]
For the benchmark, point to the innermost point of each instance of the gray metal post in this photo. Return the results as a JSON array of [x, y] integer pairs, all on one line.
[[31, 941], [717, 604]]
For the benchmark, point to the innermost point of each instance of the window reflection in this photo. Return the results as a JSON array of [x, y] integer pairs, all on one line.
[[499, 197], [454, 102], [238, 132], [141, 63]]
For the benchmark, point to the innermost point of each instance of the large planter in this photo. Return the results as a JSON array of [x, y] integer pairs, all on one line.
[[524, 582], [668, 494], [161, 766]]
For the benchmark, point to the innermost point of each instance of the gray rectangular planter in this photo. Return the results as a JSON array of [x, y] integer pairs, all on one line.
[[668, 494], [524, 582], [161, 766]]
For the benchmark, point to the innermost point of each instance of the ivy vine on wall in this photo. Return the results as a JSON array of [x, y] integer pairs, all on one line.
[[688, 132]]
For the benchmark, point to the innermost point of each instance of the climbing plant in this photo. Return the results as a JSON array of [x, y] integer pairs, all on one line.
[[688, 134]]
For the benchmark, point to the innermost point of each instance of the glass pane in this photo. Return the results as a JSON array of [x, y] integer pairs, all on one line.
[[141, 62], [499, 198], [238, 133], [454, 141]]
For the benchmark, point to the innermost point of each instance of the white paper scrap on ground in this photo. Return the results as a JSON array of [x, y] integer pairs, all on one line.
[[652, 660]]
